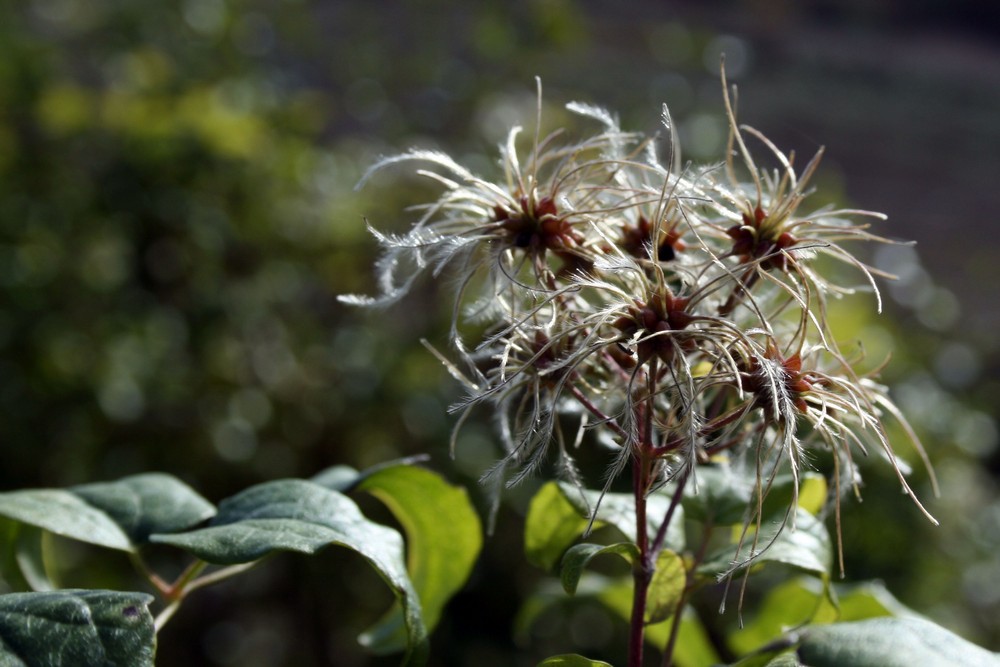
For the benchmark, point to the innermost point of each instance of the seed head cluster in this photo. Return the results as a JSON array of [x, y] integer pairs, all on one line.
[[678, 311]]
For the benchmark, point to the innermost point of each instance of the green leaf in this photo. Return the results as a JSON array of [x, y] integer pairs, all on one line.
[[345, 478], [717, 495], [790, 604], [807, 547], [812, 494], [64, 513], [337, 478], [552, 525], [76, 627], [296, 515], [147, 503], [117, 515], [11, 576], [694, 647], [444, 537], [866, 600], [890, 642], [618, 510], [776, 658], [560, 513], [549, 594], [666, 587], [578, 556], [572, 660]]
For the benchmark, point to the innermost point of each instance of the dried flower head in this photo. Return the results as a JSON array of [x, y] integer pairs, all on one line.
[[681, 312]]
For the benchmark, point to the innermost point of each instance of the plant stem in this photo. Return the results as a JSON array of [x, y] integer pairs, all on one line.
[[641, 571]]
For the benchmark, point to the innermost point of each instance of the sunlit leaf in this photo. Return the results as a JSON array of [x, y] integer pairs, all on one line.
[[870, 599], [666, 587], [560, 513], [890, 642], [345, 478], [572, 660], [296, 515], [693, 648], [444, 537], [552, 525], [789, 604], [77, 628]]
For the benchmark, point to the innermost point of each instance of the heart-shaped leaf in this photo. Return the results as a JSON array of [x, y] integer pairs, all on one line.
[[560, 513], [443, 539], [118, 515], [296, 515], [147, 503], [64, 513]]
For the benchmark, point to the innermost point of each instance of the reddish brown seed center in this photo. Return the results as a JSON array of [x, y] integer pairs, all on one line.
[[637, 240], [537, 225], [652, 321], [756, 240]]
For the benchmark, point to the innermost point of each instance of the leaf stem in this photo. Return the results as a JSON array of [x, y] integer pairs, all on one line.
[[189, 581], [139, 563]]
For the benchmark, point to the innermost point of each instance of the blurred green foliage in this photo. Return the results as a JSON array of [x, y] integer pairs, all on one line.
[[177, 216]]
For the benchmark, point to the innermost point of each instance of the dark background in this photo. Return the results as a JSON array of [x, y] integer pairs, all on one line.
[[177, 216]]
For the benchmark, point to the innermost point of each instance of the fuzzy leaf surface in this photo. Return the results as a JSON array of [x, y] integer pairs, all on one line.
[[147, 503], [81, 628], [118, 515], [297, 515], [64, 513], [807, 547], [890, 642], [618, 510]]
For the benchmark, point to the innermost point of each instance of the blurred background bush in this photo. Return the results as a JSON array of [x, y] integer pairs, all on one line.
[[177, 216]]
